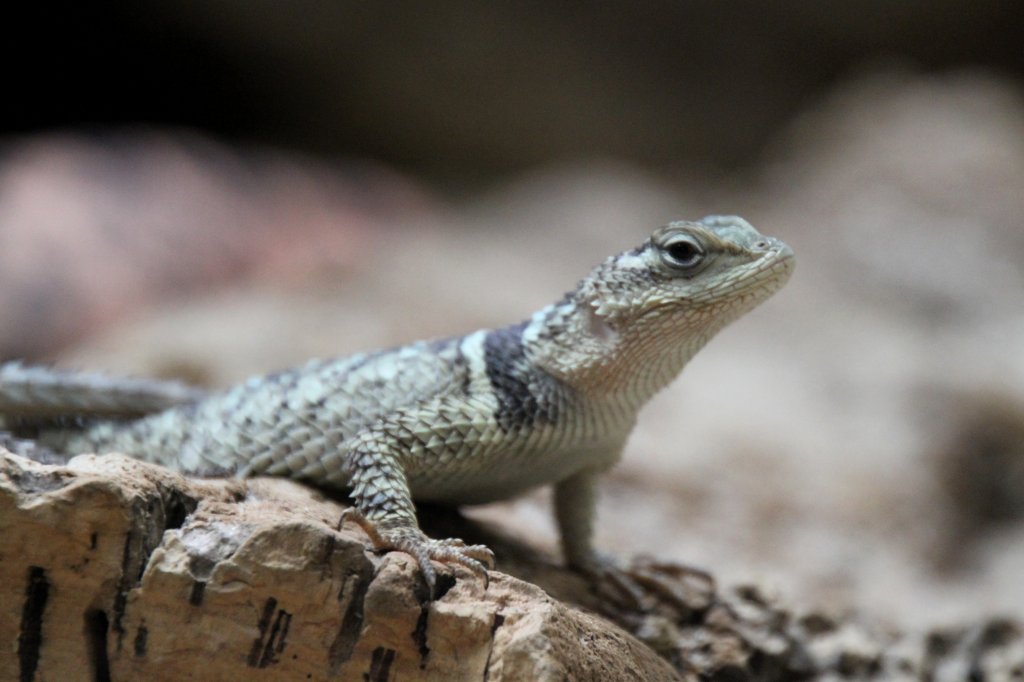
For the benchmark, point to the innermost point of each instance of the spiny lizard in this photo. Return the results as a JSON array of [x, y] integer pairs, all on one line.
[[463, 420]]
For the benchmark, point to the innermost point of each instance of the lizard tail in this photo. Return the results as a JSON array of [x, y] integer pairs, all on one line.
[[43, 392], [30, 449]]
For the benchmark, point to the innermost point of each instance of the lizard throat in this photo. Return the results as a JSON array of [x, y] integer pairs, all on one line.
[[584, 349]]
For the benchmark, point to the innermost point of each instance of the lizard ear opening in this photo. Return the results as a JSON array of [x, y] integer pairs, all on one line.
[[598, 325]]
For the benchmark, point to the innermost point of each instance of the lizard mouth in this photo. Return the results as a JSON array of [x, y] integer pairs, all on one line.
[[780, 261], [768, 272]]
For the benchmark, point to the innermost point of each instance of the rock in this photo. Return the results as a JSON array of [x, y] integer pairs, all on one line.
[[131, 571]]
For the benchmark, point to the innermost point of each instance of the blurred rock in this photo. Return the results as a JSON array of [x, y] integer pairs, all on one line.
[[92, 229], [979, 466]]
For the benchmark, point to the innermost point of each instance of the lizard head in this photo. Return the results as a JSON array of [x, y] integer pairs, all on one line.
[[706, 272], [637, 318]]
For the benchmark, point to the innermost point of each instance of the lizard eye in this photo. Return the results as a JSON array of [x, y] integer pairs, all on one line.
[[683, 253]]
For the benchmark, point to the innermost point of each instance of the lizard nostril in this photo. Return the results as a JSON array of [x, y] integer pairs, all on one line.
[[762, 245]]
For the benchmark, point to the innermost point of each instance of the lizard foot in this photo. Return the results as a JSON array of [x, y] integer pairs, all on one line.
[[411, 540], [647, 586]]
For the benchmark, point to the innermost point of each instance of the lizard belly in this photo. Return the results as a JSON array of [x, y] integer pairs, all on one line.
[[504, 474]]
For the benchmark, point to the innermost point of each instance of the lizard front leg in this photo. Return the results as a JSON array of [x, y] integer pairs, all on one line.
[[383, 508], [575, 508]]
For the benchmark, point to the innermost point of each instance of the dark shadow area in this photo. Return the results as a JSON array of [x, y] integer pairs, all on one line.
[[463, 88]]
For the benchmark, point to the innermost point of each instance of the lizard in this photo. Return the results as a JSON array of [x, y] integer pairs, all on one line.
[[463, 420]]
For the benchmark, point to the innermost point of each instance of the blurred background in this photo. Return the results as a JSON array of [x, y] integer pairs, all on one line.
[[212, 190]]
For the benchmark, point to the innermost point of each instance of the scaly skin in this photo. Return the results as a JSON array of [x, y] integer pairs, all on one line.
[[463, 420]]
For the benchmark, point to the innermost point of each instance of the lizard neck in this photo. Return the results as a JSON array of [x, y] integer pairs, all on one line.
[[600, 355]]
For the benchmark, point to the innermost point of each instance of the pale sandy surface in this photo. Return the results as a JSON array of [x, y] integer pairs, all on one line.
[[805, 446]]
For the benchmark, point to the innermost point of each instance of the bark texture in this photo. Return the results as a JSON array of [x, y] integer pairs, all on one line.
[[116, 569]]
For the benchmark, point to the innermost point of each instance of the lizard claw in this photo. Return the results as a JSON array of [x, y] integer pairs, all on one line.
[[411, 540]]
